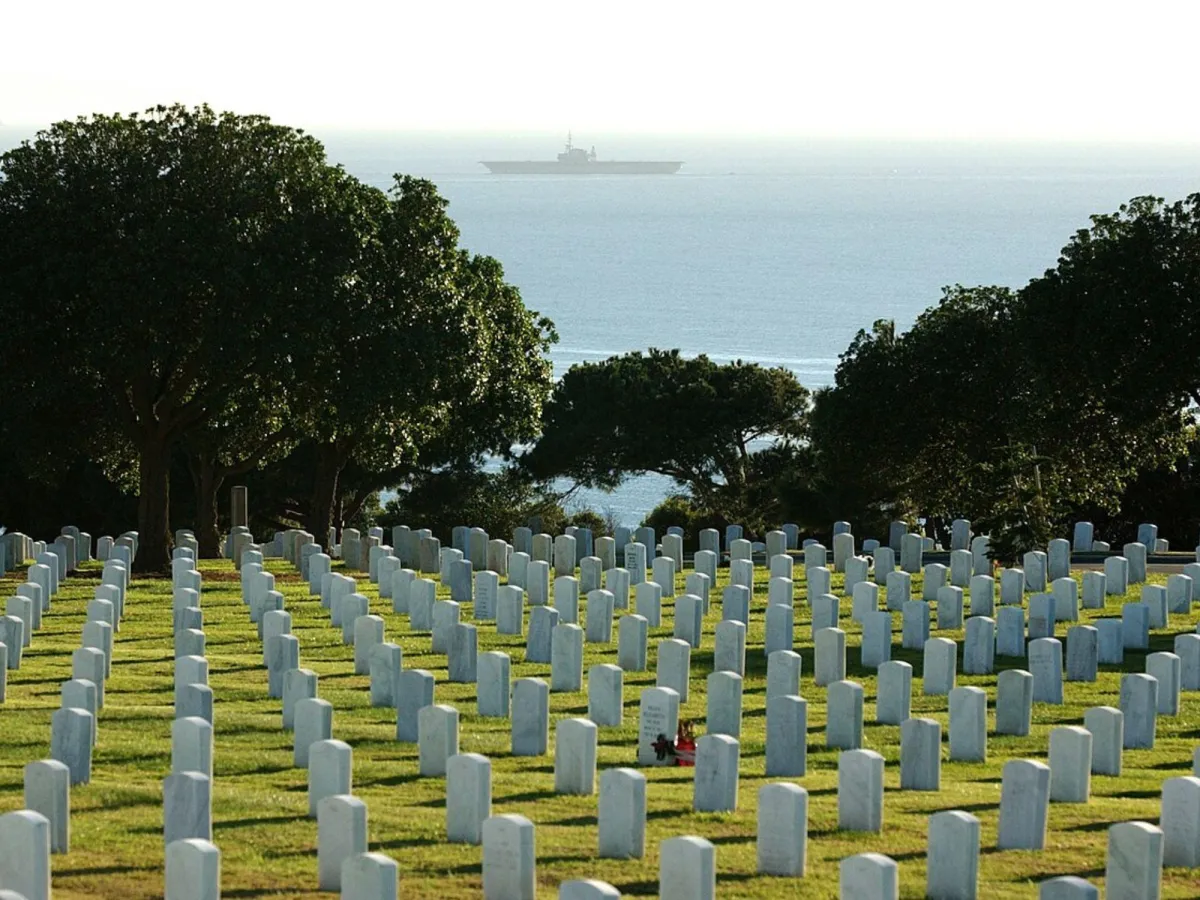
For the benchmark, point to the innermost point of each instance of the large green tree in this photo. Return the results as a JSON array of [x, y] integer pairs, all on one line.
[[150, 265], [705, 425], [429, 358], [1021, 409]]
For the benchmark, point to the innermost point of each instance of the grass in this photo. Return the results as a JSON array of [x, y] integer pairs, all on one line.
[[268, 844]]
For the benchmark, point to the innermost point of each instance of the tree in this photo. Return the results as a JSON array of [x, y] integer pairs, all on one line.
[[430, 358], [255, 428], [152, 264], [704, 425]]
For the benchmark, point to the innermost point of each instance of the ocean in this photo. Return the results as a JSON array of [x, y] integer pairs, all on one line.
[[770, 251]]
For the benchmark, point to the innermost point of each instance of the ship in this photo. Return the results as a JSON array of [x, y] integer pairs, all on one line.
[[577, 161]]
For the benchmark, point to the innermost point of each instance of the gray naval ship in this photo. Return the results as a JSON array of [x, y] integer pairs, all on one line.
[[577, 161]]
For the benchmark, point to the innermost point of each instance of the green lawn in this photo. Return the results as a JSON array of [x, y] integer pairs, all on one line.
[[259, 801]]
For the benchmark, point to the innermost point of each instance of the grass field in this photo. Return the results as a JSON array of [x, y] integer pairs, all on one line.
[[268, 844]]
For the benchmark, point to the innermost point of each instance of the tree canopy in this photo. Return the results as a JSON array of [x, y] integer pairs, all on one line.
[[705, 425], [173, 278]]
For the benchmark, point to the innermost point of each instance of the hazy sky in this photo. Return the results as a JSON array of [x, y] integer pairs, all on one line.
[[1052, 69]]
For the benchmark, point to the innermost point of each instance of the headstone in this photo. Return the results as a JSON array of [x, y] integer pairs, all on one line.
[[492, 693], [622, 814], [1133, 869], [787, 736], [1116, 575], [1187, 648], [25, 837], [1139, 704], [510, 610], [979, 648], [538, 643], [940, 668], [1166, 669], [566, 658], [876, 646], [674, 666], [341, 836], [509, 858], [1136, 554], [462, 654], [729, 654], [71, 732], [468, 797], [48, 792], [783, 673], [1179, 821], [632, 636], [1014, 702], [1179, 593], [330, 767], [1046, 665], [530, 717], [968, 724], [575, 757], [313, 722], [1111, 650], [1041, 616], [735, 604], [829, 656], [1154, 597], [1135, 623], [283, 655], [384, 664], [187, 807], [860, 791], [616, 582], [1095, 589], [1058, 559], [1024, 805], [1070, 764], [724, 698], [894, 690], [935, 580], [648, 602], [192, 746], [1083, 645], [779, 629], [1012, 587], [844, 716], [605, 689], [782, 836], [1010, 631], [566, 599], [1106, 726], [899, 590], [920, 754], [658, 721], [689, 620], [437, 738], [298, 684], [826, 611], [193, 870]]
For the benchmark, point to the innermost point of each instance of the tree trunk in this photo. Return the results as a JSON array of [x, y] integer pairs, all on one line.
[[325, 481], [154, 506], [208, 482]]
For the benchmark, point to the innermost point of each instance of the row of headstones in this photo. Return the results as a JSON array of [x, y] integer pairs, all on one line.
[[547, 633], [575, 766], [187, 792], [444, 715], [43, 826], [621, 825]]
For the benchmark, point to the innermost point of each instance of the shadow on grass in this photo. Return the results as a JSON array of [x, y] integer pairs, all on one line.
[[264, 820]]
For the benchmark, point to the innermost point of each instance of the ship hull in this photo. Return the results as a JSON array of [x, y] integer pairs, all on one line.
[[534, 167]]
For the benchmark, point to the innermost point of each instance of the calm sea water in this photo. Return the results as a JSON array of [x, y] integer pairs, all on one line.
[[773, 252]]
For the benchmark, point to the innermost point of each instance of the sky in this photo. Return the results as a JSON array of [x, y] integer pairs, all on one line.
[[1052, 70]]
